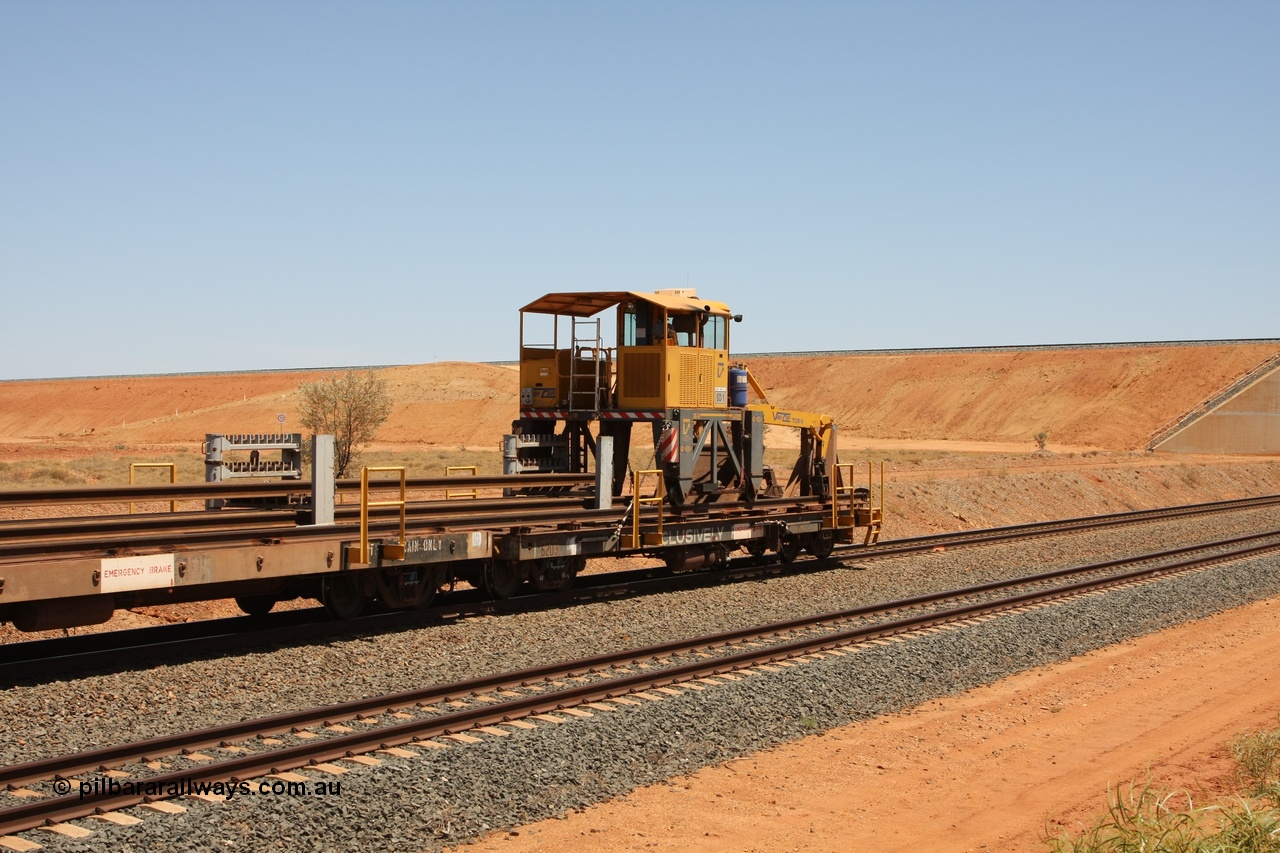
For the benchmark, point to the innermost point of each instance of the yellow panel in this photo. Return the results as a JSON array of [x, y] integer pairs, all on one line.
[[641, 378], [695, 377], [539, 381], [664, 377]]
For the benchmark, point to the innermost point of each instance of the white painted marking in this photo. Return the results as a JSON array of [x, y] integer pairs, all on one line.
[[120, 574]]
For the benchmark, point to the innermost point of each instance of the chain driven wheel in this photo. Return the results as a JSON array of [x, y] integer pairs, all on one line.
[[788, 548], [820, 544], [502, 578], [342, 596], [256, 605]]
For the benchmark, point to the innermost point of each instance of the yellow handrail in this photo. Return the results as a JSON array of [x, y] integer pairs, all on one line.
[[173, 478], [881, 486], [638, 501], [450, 494], [875, 515], [841, 490], [363, 553]]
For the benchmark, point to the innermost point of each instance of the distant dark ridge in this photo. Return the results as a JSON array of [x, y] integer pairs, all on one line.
[[792, 354]]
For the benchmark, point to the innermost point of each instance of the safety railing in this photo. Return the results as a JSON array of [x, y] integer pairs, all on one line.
[[870, 516], [450, 494], [639, 501], [360, 554], [173, 478], [844, 486]]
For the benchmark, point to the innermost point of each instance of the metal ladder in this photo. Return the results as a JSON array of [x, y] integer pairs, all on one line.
[[586, 366]]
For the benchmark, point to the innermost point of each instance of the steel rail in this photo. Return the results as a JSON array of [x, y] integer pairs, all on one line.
[[181, 522], [157, 492], [150, 541], [1136, 514], [78, 528], [71, 806], [513, 514], [490, 511], [1029, 530], [54, 534], [243, 489]]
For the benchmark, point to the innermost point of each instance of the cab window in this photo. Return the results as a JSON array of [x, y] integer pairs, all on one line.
[[635, 325], [715, 332]]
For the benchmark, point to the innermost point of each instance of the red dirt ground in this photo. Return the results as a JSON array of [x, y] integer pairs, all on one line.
[[983, 771]]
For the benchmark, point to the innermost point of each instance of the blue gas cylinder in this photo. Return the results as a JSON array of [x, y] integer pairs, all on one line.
[[738, 387]]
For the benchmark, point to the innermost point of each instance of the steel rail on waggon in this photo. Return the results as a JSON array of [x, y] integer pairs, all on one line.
[[569, 491]]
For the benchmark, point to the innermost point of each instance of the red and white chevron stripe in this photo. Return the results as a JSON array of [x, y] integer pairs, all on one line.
[[669, 444], [633, 416], [560, 415]]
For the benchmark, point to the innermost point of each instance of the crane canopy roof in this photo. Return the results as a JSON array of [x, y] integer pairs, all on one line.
[[590, 304]]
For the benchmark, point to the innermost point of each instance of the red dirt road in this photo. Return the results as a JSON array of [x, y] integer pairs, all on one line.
[[988, 770]]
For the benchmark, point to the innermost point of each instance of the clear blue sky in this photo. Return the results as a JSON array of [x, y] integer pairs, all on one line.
[[236, 185]]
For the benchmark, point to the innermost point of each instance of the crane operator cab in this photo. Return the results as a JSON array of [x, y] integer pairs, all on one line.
[[660, 351], [596, 364]]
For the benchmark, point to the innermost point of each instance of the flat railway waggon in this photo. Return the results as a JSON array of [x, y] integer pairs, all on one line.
[[637, 435]]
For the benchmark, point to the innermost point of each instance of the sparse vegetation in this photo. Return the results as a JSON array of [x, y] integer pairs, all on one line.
[[1144, 818], [1042, 439], [350, 407], [98, 470], [1257, 758], [431, 462]]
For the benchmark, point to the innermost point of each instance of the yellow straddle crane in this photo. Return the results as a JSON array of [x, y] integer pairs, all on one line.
[[817, 444]]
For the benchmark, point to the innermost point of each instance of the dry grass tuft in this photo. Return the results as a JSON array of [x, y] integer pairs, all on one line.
[[1147, 820]]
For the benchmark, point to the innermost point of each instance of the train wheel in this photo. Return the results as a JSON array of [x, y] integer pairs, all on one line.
[[788, 548], [820, 544], [685, 559], [256, 605], [556, 574], [502, 578], [342, 597], [407, 590]]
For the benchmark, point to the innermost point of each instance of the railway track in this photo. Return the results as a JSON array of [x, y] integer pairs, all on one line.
[[95, 534], [57, 657], [317, 737]]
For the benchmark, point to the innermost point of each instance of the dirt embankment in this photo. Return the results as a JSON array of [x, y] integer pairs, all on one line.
[[449, 403], [1098, 398], [1095, 398]]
